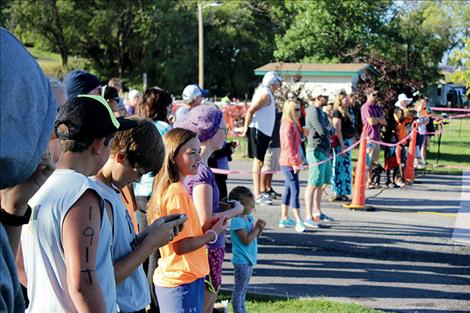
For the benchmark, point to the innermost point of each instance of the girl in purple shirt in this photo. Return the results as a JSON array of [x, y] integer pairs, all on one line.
[[208, 123]]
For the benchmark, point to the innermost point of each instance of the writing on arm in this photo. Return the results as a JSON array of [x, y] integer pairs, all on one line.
[[80, 238]]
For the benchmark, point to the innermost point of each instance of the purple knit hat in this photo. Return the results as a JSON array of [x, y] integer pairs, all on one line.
[[204, 120]]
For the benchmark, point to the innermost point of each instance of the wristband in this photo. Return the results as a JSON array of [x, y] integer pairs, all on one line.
[[14, 220], [215, 234]]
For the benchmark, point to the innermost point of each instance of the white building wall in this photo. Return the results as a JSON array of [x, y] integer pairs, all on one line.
[[330, 83]]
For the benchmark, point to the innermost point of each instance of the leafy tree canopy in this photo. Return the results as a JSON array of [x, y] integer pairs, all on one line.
[[159, 37]]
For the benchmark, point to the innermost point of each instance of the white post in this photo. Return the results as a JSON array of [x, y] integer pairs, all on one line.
[[201, 46], [144, 80]]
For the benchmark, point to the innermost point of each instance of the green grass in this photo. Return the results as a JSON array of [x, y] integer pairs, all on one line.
[[454, 149], [51, 63], [262, 303]]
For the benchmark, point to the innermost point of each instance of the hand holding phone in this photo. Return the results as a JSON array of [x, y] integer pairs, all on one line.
[[180, 218], [165, 229]]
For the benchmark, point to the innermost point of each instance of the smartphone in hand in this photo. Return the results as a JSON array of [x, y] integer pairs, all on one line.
[[226, 205], [174, 217]]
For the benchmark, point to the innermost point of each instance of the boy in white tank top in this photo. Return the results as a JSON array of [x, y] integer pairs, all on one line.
[[66, 246], [133, 153]]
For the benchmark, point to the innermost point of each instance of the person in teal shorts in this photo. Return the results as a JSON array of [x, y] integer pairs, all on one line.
[[319, 131]]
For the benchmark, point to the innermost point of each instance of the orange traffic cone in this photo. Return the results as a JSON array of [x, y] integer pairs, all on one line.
[[359, 188], [410, 161]]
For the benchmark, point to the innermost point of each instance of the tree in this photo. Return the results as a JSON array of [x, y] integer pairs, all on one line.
[[411, 37], [158, 37], [419, 37], [239, 38], [330, 31], [52, 24], [462, 58]]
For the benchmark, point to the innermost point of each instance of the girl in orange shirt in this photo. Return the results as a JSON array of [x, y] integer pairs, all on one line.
[[179, 277]]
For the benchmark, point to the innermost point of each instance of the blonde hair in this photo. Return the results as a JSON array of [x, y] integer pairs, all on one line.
[[338, 105], [174, 139], [288, 111]]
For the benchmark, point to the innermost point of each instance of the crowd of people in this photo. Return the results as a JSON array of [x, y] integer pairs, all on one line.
[[79, 248], [318, 135]]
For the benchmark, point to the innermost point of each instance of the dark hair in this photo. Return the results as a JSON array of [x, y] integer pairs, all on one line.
[[110, 93], [142, 145], [154, 104], [242, 194], [82, 144]]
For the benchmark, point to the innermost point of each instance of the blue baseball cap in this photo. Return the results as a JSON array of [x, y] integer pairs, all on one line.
[[79, 82]]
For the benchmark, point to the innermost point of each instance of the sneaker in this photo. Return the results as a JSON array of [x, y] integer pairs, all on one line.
[[264, 199], [398, 184], [300, 227], [326, 218], [267, 198], [311, 224], [420, 166], [273, 194], [285, 223]]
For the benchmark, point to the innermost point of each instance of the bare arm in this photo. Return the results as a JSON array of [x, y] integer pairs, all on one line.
[[20, 267], [382, 121], [257, 104], [371, 121], [14, 200], [190, 244], [377, 121], [235, 211], [255, 232], [337, 126], [80, 238], [305, 131], [202, 198], [159, 234]]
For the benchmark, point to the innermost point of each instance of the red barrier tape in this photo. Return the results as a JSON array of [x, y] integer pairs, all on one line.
[[451, 117], [450, 109], [331, 157], [303, 167], [227, 172]]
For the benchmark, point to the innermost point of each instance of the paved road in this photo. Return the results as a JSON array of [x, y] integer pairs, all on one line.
[[400, 257]]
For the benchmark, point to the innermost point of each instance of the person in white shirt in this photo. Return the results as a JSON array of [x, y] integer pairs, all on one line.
[[259, 125], [66, 245]]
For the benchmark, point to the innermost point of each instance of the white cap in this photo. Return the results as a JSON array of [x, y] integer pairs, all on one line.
[[271, 78], [402, 97], [133, 94], [190, 93], [317, 92]]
